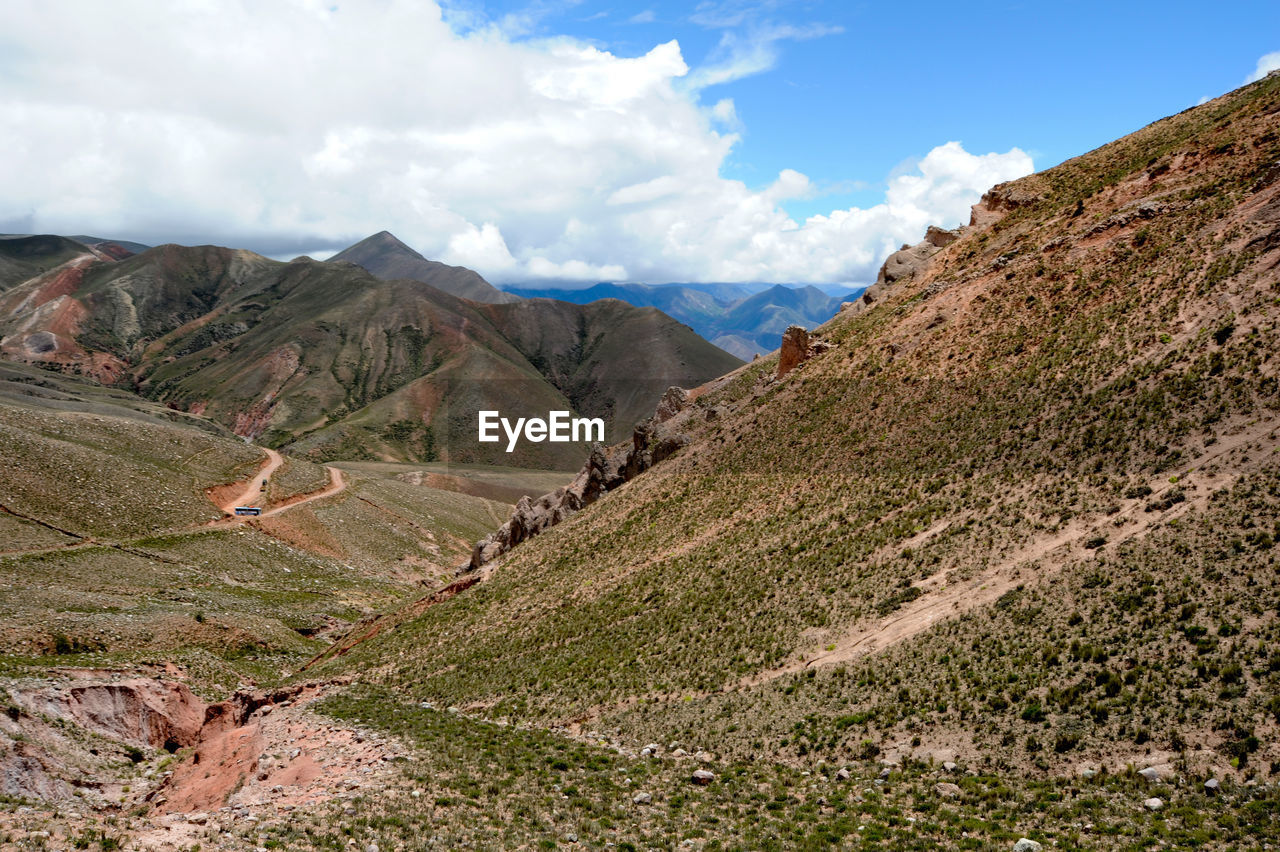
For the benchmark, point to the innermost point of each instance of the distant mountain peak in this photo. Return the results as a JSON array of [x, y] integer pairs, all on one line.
[[388, 257], [383, 241]]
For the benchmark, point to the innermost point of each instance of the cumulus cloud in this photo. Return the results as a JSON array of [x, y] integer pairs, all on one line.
[[1266, 64], [298, 125]]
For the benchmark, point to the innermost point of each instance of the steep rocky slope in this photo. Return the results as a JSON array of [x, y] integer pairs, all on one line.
[[1018, 510]]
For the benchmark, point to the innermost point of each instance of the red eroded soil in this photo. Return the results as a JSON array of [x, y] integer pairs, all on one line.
[[63, 282], [220, 764]]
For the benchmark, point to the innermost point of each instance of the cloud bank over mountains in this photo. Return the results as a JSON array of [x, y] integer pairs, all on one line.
[[294, 127]]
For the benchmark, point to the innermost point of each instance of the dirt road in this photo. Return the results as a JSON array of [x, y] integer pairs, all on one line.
[[255, 488], [337, 482]]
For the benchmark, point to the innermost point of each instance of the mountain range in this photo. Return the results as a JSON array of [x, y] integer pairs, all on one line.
[[330, 361], [732, 317]]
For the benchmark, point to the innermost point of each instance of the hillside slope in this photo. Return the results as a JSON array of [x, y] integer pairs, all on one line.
[[608, 357], [111, 537], [1018, 510]]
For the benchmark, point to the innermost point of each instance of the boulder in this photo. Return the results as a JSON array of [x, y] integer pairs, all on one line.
[[940, 237], [1026, 845], [641, 798], [947, 790], [1159, 772], [1212, 786], [702, 777], [1153, 804]]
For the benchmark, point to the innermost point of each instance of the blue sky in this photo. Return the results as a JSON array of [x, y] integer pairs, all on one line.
[[554, 141], [889, 81]]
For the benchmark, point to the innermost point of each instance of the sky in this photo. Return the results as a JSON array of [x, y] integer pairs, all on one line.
[[553, 141]]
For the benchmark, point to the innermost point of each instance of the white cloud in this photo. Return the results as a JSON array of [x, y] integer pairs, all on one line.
[[645, 17], [725, 112], [1266, 64], [741, 55], [483, 247], [291, 126], [540, 267]]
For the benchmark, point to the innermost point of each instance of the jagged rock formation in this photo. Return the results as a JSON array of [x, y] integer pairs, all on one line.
[[911, 261], [794, 350], [607, 468], [798, 346]]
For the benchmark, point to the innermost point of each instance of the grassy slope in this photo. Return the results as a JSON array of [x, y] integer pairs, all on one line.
[[1065, 379], [56, 432], [154, 583]]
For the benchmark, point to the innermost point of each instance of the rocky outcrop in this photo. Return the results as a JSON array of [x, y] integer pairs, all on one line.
[[140, 712], [794, 350], [672, 403], [653, 441], [909, 261], [906, 264], [797, 347], [1003, 198]]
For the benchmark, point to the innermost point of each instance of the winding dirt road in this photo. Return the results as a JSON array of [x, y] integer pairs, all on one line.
[[255, 489]]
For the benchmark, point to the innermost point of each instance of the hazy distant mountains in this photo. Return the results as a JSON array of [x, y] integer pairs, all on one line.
[[332, 362], [730, 316]]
